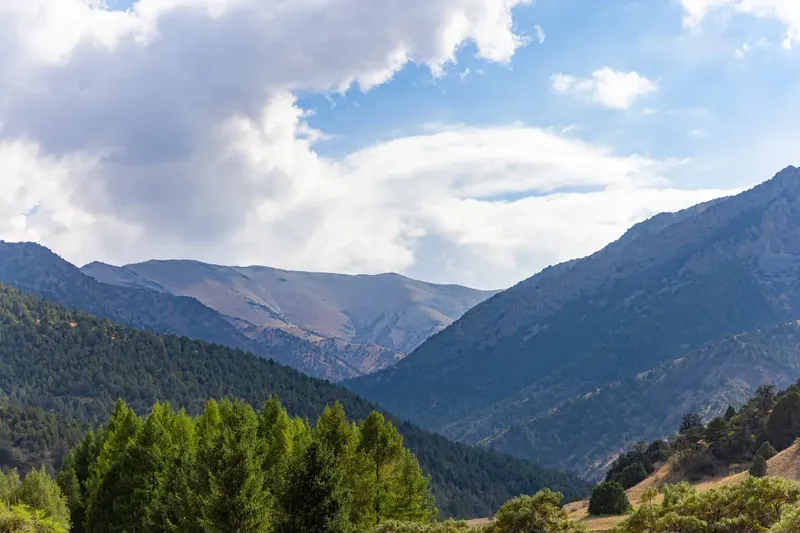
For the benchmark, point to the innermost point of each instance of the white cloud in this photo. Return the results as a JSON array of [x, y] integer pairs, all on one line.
[[540, 34], [173, 131], [785, 11], [617, 90]]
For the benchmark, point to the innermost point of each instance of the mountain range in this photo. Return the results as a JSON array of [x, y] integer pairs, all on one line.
[[511, 370], [327, 325]]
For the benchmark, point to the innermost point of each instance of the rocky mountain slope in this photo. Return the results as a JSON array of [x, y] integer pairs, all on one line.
[[368, 322], [671, 283], [583, 432], [35, 269]]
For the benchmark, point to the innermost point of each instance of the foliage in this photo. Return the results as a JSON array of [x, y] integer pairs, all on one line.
[[32, 504], [540, 513], [214, 473], [751, 506], [634, 466], [76, 366], [746, 437], [758, 468], [766, 450], [30, 437], [783, 426], [609, 498], [23, 519], [449, 526]]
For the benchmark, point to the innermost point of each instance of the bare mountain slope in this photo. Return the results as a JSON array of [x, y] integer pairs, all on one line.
[[35, 269], [670, 283], [367, 321]]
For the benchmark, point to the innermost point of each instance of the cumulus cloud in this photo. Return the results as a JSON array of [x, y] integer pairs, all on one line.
[[173, 130], [785, 11], [610, 88]]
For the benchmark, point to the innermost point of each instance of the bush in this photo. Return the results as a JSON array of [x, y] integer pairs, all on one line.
[[450, 526], [609, 498], [766, 451], [540, 513], [759, 467]]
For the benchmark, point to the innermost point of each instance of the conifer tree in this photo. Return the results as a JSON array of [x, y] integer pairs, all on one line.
[[766, 450], [759, 467], [73, 478], [411, 499], [176, 508], [120, 433], [231, 480], [315, 498]]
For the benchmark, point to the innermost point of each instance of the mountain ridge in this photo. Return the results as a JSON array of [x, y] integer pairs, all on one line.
[[384, 315], [671, 282]]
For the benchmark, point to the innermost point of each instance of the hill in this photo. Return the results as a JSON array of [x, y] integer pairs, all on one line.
[[368, 321], [651, 404], [35, 269], [76, 366], [671, 283]]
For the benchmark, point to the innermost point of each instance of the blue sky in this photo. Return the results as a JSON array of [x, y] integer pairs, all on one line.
[[447, 139]]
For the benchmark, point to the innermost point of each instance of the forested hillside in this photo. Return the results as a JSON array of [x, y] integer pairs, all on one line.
[[672, 283], [31, 437], [76, 365], [704, 446], [582, 431]]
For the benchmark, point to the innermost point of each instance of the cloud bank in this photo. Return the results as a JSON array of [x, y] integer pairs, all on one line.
[[173, 130]]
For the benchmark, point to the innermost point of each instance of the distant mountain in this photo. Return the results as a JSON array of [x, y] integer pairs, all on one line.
[[35, 269], [367, 322], [77, 366], [671, 284]]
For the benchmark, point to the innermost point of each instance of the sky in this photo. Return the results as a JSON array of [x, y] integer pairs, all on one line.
[[454, 141]]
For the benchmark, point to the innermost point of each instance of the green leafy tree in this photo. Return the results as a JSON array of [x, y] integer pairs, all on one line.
[[609, 498], [381, 446], [40, 491], [315, 497], [540, 513], [783, 426], [758, 468], [729, 413], [230, 477], [24, 519]]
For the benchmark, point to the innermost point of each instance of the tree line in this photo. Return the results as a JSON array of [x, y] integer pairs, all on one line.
[[234, 469], [738, 440]]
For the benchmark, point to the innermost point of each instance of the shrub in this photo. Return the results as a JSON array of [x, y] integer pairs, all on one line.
[[759, 467], [609, 498]]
